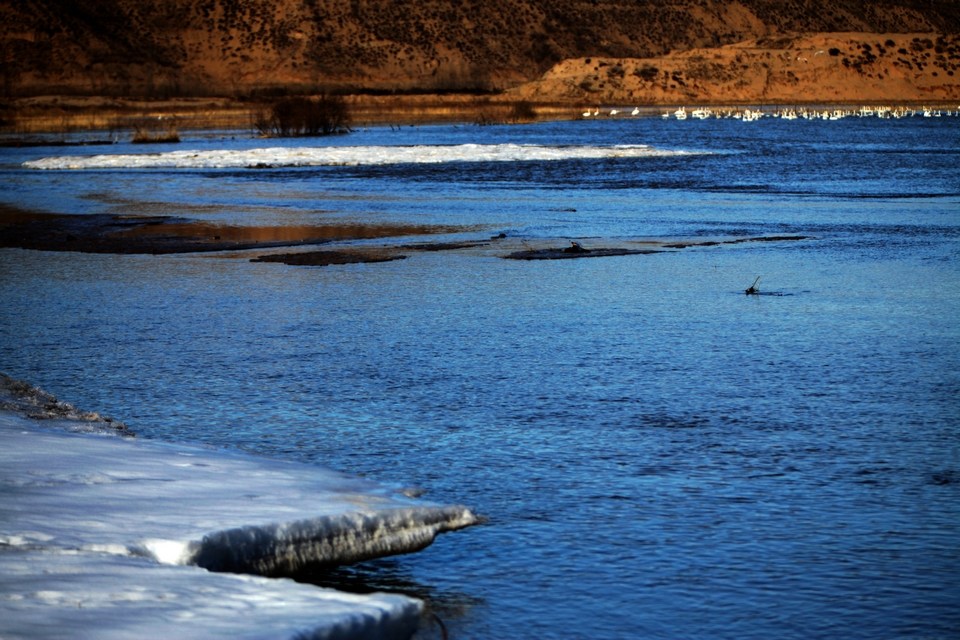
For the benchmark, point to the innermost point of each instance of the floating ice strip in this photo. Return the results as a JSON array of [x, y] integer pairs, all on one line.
[[150, 514], [276, 157]]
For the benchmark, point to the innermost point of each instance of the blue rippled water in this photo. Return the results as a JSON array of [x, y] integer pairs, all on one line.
[[659, 455]]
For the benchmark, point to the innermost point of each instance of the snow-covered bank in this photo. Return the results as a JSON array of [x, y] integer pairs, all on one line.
[[98, 532]]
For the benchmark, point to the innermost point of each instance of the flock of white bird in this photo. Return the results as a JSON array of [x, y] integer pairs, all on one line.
[[791, 113], [613, 112]]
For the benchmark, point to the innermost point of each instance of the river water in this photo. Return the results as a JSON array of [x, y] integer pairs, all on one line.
[[658, 454]]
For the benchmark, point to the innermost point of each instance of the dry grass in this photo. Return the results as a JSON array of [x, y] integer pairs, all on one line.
[[36, 116], [147, 137], [150, 120]]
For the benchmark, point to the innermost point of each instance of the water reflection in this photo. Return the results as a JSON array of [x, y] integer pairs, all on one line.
[[280, 234], [444, 607]]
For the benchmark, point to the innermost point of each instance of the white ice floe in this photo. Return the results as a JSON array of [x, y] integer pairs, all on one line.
[[353, 156], [110, 537], [46, 593]]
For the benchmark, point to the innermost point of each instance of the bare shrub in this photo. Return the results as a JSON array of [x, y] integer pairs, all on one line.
[[149, 130], [522, 111], [489, 113], [296, 117], [647, 72]]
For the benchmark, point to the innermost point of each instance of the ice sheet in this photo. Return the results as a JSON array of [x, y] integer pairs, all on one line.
[[55, 593], [93, 522], [347, 155]]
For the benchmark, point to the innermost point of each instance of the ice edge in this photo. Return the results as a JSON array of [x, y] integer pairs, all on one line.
[[284, 548]]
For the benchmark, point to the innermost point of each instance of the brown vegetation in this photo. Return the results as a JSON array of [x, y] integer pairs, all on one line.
[[837, 67], [155, 130], [290, 117], [252, 47]]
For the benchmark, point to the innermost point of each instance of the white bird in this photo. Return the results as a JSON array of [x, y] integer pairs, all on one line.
[[635, 112]]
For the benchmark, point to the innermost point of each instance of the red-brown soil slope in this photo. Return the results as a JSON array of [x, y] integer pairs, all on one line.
[[162, 48], [837, 67]]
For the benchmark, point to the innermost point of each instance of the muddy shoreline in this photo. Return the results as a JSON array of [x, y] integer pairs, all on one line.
[[157, 235], [142, 234]]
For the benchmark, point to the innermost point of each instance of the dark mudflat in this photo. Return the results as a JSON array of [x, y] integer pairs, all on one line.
[[354, 256], [144, 234], [444, 246], [326, 258], [576, 250], [714, 243], [568, 254], [109, 233]]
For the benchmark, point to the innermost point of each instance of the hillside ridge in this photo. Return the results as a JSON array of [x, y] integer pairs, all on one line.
[[166, 48], [830, 68]]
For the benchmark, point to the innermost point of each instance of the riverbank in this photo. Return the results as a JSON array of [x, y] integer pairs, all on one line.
[[894, 70], [89, 121], [119, 117]]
